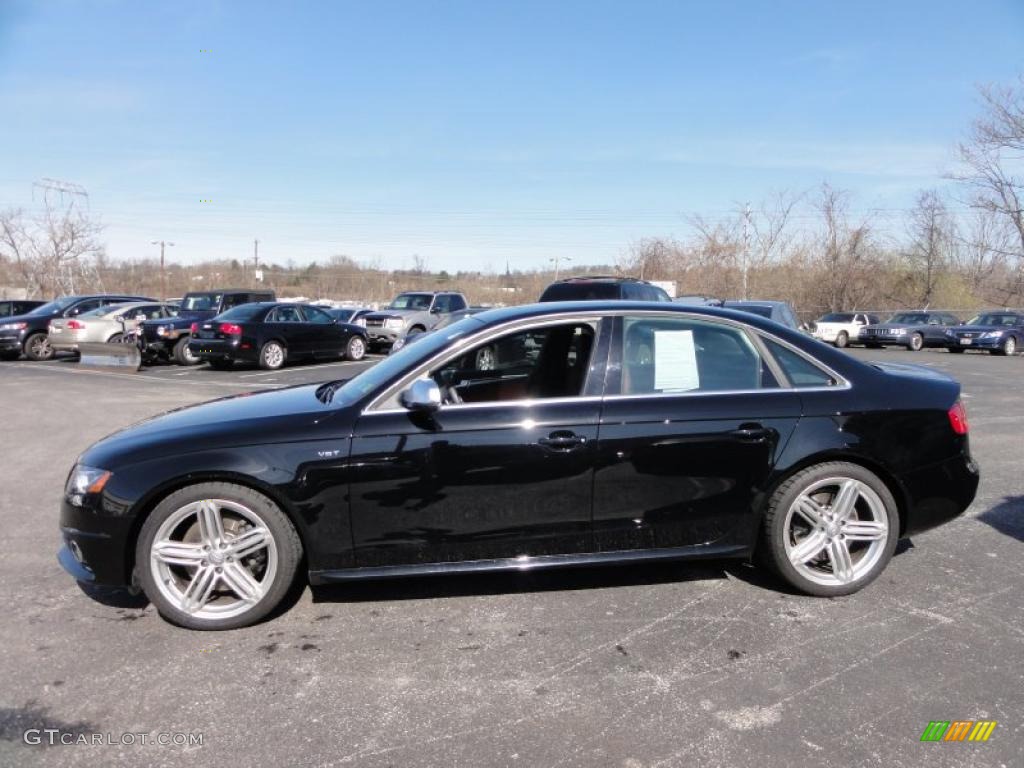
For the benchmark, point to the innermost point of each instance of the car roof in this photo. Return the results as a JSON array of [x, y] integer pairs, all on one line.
[[600, 279], [754, 303]]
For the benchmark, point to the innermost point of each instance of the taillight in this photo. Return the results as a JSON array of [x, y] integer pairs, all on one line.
[[195, 329], [231, 329], [958, 418], [75, 325]]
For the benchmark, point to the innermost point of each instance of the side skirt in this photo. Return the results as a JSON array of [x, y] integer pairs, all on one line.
[[526, 563]]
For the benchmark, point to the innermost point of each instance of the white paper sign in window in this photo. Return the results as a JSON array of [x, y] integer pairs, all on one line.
[[675, 362]]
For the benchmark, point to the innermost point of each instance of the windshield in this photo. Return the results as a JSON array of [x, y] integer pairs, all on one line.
[[837, 317], [241, 312], [199, 302], [394, 365], [98, 312], [995, 318], [581, 291], [754, 309], [411, 301], [906, 318], [57, 305]]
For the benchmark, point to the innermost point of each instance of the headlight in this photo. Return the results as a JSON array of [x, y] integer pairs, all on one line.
[[394, 322], [85, 481], [900, 331], [161, 330], [993, 334], [13, 326]]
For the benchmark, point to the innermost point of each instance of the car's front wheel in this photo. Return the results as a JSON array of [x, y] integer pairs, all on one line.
[[272, 356], [183, 355], [38, 348], [916, 342], [356, 348], [830, 529], [842, 339], [1009, 347], [217, 556]]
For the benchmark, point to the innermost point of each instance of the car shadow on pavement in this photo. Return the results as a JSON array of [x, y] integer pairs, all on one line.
[[470, 584], [1007, 517]]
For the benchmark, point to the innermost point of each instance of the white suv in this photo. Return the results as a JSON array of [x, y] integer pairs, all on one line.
[[840, 328]]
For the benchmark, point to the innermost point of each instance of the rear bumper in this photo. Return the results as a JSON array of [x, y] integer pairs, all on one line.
[[941, 492], [219, 349]]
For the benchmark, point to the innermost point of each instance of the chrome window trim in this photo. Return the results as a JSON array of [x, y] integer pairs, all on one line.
[[842, 383]]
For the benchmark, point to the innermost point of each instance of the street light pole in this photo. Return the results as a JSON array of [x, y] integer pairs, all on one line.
[[163, 273], [556, 260]]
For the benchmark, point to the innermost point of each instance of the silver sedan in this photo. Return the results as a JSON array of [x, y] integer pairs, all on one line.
[[105, 324]]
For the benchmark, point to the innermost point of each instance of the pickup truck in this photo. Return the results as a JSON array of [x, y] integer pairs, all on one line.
[[167, 339], [411, 313]]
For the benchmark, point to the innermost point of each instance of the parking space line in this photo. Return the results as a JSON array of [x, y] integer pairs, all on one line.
[[321, 366], [127, 376]]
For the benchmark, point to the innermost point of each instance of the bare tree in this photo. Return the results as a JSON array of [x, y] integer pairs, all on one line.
[[844, 251], [932, 236], [982, 248], [993, 157]]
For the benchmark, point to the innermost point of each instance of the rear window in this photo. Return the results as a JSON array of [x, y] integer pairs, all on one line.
[[583, 291], [200, 302], [800, 371], [242, 312], [754, 309]]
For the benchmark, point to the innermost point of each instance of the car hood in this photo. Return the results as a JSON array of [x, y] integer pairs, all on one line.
[[27, 318], [396, 313], [280, 416], [978, 328]]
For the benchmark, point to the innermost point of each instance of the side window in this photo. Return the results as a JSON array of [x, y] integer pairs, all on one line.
[[632, 292], [457, 303], [442, 304], [318, 316], [663, 355], [233, 300], [151, 311], [546, 362], [284, 315], [660, 294], [800, 371], [83, 307]]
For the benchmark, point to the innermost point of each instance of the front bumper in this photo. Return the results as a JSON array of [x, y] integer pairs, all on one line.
[[976, 342], [888, 340], [95, 546], [380, 335]]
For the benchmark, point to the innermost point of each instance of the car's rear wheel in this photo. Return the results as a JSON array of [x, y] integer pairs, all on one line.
[[38, 348], [356, 348], [831, 529], [217, 556], [916, 342], [842, 339], [272, 356], [183, 355]]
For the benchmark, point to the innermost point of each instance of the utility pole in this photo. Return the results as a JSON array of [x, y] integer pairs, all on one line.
[[255, 254], [163, 273], [556, 260], [746, 248]]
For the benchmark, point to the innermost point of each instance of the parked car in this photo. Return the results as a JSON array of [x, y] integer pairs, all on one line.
[[166, 340], [1000, 332], [355, 315], [779, 311], [106, 324], [30, 333], [913, 330], [411, 313], [272, 333], [454, 317], [633, 435], [840, 328], [15, 307], [603, 288]]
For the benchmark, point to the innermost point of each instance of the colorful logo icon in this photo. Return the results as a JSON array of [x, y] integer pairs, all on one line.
[[958, 730]]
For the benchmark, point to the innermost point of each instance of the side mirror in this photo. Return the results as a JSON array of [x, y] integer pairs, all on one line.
[[424, 395]]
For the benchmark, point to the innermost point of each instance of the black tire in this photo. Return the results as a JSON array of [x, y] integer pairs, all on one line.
[[416, 330], [842, 340], [916, 342], [37, 347], [117, 338], [355, 350], [1009, 347], [221, 365], [285, 539], [772, 548], [181, 353], [272, 356]]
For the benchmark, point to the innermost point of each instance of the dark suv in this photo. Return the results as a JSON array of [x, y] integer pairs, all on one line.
[[167, 339], [603, 288], [913, 330], [29, 333], [1001, 333], [14, 307]]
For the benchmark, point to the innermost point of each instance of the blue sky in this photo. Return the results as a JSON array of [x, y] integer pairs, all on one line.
[[479, 133]]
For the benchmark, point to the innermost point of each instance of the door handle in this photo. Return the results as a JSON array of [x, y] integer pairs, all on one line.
[[753, 433], [562, 441]]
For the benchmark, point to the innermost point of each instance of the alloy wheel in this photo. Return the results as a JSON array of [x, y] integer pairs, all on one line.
[[356, 348], [214, 559], [39, 347], [486, 360], [836, 531], [273, 355]]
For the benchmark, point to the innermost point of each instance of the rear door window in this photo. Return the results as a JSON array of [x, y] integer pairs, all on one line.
[[800, 371]]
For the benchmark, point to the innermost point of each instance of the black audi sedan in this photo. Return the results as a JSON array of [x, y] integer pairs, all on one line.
[[628, 431], [271, 333]]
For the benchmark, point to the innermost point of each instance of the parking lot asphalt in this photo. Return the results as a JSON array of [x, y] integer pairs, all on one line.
[[641, 666]]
